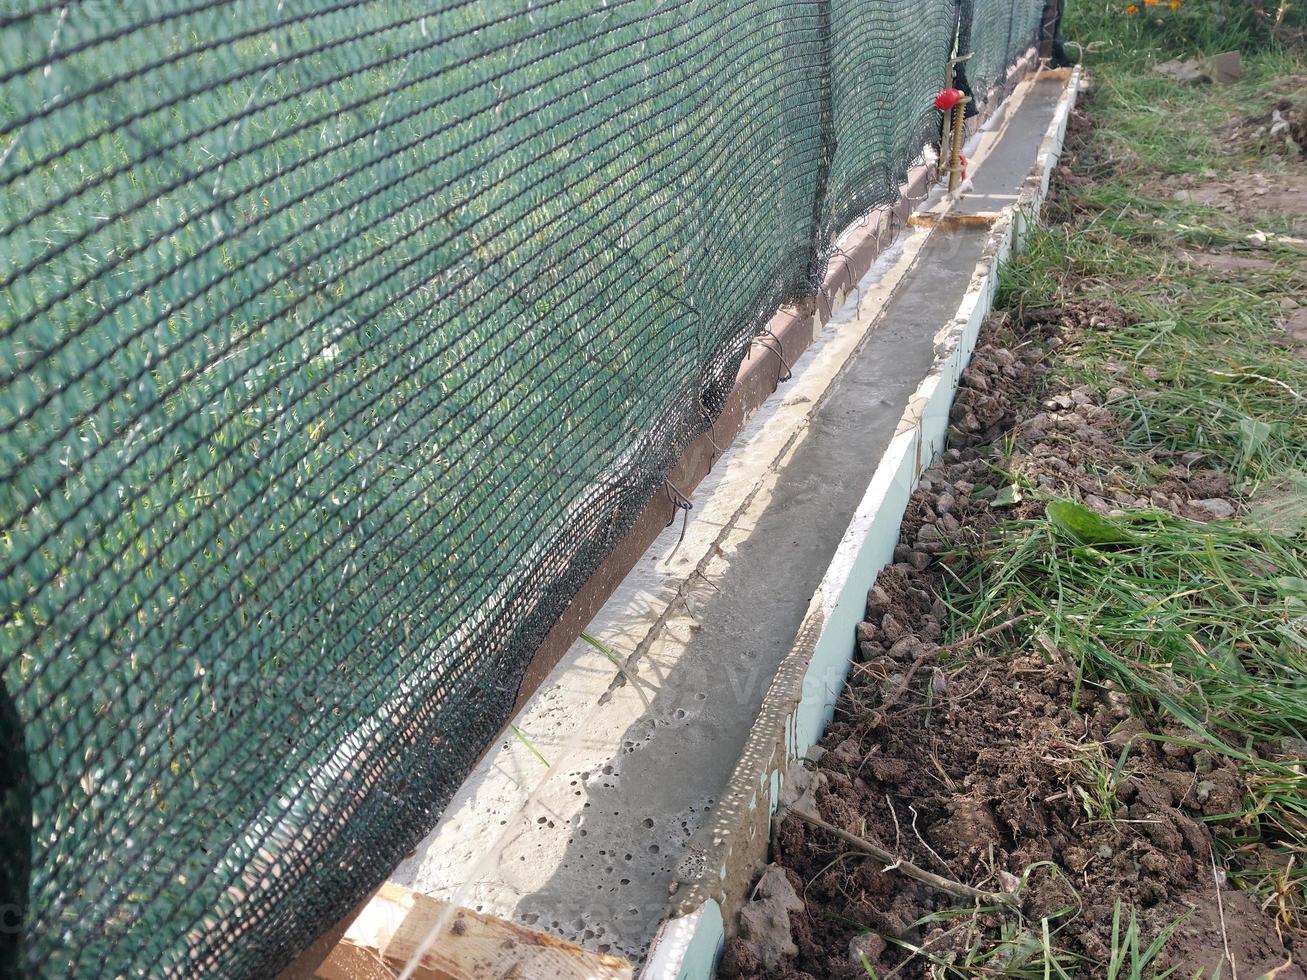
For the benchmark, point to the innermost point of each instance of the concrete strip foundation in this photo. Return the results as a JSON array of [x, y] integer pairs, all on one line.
[[652, 768], [728, 852]]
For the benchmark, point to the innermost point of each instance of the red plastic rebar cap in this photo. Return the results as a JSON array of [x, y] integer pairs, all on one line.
[[947, 99]]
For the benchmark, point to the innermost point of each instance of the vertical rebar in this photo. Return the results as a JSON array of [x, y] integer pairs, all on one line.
[[955, 154]]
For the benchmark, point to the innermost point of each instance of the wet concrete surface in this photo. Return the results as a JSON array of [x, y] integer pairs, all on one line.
[[611, 886]]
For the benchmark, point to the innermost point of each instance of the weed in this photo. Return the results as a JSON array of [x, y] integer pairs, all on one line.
[[1129, 961], [521, 736]]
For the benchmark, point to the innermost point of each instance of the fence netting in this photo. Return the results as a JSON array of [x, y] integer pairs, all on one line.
[[1000, 31], [342, 339]]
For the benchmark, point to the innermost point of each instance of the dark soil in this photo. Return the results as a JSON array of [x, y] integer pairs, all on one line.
[[1281, 127], [994, 768]]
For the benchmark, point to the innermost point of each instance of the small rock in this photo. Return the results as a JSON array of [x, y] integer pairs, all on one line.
[[939, 682], [1118, 705], [1212, 509], [865, 949], [892, 628], [1223, 68], [945, 503], [1187, 72], [1097, 504], [904, 649], [1290, 749]]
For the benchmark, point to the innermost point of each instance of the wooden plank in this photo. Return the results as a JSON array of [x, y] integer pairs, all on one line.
[[951, 219], [390, 930], [305, 966]]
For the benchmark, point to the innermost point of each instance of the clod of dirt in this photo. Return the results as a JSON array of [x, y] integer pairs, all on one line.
[[764, 935], [1221, 69], [1282, 126]]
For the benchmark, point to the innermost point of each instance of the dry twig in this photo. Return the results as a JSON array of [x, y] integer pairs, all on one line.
[[938, 882]]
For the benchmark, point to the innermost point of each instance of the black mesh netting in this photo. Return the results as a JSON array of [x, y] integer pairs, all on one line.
[[1001, 31], [342, 339]]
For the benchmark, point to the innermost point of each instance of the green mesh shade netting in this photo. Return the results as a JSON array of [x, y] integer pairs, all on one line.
[[342, 340]]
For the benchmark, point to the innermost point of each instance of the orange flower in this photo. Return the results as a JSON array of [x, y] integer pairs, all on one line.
[[1176, 4], [1151, 3], [1132, 9]]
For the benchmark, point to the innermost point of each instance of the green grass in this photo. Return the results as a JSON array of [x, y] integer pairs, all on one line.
[[1132, 957], [1202, 624], [1101, 31], [1204, 366]]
